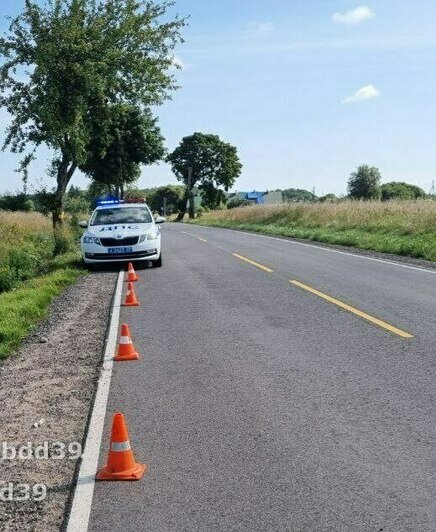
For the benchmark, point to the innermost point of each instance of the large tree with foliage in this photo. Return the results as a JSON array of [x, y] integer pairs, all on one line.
[[364, 183], [130, 138], [208, 163], [401, 191], [65, 61]]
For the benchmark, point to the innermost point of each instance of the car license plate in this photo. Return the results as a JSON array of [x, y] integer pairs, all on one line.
[[120, 250]]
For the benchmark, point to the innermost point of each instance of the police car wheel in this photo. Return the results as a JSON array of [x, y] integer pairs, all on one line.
[[157, 263]]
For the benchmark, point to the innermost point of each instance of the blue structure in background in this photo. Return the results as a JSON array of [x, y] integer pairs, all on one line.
[[256, 197]]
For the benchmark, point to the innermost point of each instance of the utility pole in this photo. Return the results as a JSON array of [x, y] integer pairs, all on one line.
[[432, 190], [165, 206]]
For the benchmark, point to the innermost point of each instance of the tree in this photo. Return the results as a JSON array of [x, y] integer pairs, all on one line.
[[131, 138], [76, 201], [65, 61], [97, 190], [205, 161], [167, 198], [365, 183], [401, 191], [298, 194], [212, 197], [16, 202]]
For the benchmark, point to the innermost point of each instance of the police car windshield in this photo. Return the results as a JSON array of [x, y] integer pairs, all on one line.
[[124, 215]]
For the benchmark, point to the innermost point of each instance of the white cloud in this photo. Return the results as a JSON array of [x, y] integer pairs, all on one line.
[[354, 16], [369, 92], [262, 28]]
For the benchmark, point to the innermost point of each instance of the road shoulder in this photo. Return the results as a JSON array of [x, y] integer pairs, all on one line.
[[47, 392]]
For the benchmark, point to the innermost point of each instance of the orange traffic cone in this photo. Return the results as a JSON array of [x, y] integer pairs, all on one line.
[[131, 300], [131, 277], [126, 350], [121, 463]]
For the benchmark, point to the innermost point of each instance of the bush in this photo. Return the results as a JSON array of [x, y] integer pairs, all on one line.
[[236, 202], [7, 281], [64, 243], [401, 191], [24, 264], [329, 198]]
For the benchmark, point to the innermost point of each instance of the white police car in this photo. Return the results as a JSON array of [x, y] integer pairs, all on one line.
[[120, 231]]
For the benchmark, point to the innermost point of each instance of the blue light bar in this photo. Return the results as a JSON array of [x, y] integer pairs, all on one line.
[[109, 202]]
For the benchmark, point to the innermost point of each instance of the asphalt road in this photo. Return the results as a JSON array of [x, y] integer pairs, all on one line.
[[259, 405]]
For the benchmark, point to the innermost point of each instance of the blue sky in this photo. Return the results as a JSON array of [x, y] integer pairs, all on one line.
[[306, 89]]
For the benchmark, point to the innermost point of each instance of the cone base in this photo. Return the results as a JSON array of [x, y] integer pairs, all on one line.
[[136, 473], [130, 305], [122, 358]]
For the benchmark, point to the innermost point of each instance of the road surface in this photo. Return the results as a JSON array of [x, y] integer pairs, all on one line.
[[282, 387]]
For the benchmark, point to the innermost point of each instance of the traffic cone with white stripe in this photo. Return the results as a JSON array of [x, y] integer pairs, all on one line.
[[131, 274], [131, 300], [126, 350], [121, 463]]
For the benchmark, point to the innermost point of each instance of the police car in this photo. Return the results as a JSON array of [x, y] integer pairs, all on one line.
[[121, 231]]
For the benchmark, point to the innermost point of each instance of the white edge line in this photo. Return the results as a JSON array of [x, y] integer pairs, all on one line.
[[323, 248], [81, 508]]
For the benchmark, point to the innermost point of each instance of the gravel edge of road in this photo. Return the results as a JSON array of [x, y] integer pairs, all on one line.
[[70, 499], [402, 259], [51, 381]]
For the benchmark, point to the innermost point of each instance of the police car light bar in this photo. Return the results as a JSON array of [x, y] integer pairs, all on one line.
[[109, 202]]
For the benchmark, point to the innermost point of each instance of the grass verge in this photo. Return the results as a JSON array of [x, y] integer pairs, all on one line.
[[30, 275], [22, 308], [401, 228]]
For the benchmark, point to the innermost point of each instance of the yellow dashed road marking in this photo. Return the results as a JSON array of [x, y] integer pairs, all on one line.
[[252, 262], [353, 310]]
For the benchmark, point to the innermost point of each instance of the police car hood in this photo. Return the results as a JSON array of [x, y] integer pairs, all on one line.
[[119, 231]]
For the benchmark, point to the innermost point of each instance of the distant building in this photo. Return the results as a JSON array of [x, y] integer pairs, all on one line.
[[256, 197], [273, 197]]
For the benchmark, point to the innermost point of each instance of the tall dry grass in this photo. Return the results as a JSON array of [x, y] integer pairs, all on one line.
[[16, 227], [26, 247], [402, 227], [405, 217]]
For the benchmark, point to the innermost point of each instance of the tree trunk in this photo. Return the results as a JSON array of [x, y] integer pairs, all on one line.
[[64, 174], [184, 206], [191, 205]]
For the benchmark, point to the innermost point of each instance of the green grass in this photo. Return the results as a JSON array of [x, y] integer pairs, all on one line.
[[30, 276], [402, 228], [23, 308]]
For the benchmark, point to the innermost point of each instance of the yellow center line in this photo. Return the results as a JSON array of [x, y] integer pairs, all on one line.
[[194, 236], [261, 266], [353, 310]]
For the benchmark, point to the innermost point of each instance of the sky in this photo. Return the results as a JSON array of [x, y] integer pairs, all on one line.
[[307, 90]]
